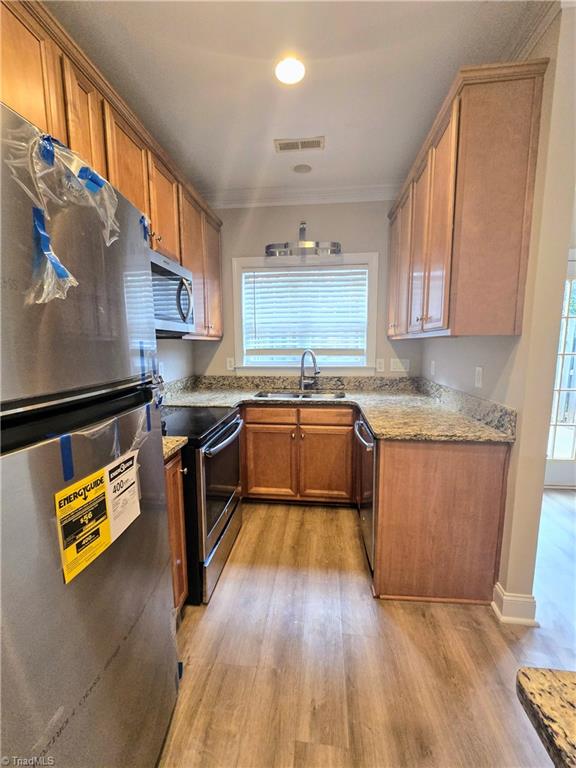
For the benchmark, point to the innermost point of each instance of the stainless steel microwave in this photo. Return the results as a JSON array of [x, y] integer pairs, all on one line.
[[173, 297]]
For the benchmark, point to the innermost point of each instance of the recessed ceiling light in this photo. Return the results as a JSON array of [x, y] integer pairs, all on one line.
[[302, 168], [290, 71]]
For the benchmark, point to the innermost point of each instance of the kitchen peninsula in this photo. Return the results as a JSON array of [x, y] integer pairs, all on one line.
[[439, 479]]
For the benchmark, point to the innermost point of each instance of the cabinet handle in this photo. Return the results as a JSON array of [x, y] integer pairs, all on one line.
[[184, 471]]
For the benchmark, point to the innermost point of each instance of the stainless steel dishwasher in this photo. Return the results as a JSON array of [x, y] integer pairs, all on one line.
[[366, 492]]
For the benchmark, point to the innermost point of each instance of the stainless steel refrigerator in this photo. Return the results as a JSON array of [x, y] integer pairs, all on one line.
[[89, 668]]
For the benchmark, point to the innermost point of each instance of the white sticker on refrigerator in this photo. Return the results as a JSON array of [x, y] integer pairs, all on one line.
[[122, 493]]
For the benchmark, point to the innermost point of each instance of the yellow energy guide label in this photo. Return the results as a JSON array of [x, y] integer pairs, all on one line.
[[94, 511]]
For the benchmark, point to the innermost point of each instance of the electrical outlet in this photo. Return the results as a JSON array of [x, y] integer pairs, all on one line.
[[380, 365], [230, 364], [432, 367], [478, 377], [399, 365]]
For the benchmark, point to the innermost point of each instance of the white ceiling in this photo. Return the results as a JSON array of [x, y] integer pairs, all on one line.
[[201, 77]]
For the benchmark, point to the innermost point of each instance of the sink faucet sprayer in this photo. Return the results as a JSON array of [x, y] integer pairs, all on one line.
[[304, 379]]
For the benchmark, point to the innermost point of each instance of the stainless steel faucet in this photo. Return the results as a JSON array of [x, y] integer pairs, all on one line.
[[304, 379]]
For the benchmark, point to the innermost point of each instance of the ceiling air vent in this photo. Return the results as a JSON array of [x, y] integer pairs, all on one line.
[[296, 145]]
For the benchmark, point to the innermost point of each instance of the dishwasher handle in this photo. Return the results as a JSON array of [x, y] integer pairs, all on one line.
[[368, 445]]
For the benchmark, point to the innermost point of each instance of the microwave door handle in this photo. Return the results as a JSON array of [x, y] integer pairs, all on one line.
[[188, 286], [365, 443], [183, 284], [211, 451]]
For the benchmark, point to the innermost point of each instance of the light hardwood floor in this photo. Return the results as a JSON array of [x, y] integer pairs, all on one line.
[[294, 665]]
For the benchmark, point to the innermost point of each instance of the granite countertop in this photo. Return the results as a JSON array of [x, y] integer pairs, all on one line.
[[549, 698], [171, 446], [391, 416]]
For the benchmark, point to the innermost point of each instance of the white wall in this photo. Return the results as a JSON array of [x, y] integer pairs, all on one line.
[[176, 358], [520, 371], [360, 227]]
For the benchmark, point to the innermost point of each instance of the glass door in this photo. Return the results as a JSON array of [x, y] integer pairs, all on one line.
[[561, 454]]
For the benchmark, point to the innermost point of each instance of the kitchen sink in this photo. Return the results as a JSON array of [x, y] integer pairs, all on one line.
[[291, 395]]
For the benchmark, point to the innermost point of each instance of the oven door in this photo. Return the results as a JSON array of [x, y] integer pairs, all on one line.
[[218, 483]]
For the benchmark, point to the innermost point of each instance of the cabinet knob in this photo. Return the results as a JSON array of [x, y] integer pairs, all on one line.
[[184, 471], [293, 436], [301, 435], [178, 562], [158, 238]]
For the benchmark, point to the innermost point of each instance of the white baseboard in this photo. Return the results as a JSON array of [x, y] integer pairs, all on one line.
[[511, 608]]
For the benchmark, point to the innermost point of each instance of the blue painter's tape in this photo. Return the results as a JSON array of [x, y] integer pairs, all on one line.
[[142, 362], [148, 419], [66, 456], [92, 180], [145, 227], [44, 247], [116, 450], [46, 148]]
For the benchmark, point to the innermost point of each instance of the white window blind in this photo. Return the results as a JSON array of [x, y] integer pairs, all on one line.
[[285, 310]]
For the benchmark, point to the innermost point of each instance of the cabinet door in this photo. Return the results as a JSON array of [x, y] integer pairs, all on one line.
[[393, 263], [270, 460], [127, 160], [404, 226], [326, 463], [212, 277], [84, 117], [192, 255], [165, 235], [439, 252], [31, 77], [419, 246], [176, 529]]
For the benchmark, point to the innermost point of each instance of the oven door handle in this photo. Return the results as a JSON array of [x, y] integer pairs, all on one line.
[[365, 443], [211, 451]]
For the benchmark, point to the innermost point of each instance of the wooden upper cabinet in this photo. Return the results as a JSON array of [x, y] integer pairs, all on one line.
[[84, 117], [325, 466], [192, 255], [212, 276], [419, 249], [31, 79], [165, 234], [404, 217], [498, 143], [439, 252], [127, 160], [393, 255], [473, 190]]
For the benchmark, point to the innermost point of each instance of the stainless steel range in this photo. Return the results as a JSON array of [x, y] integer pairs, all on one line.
[[211, 465]]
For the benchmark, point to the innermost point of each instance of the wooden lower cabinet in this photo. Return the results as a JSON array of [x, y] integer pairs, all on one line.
[[271, 461], [325, 466], [176, 529], [440, 513], [305, 454]]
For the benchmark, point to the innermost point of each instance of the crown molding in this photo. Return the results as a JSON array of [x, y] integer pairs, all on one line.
[[273, 196], [534, 23]]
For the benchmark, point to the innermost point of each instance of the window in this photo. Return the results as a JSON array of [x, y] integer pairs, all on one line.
[[562, 438], [285, 306]]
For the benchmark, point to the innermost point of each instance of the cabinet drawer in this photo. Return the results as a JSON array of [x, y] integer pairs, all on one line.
[[271, 415], [338, 417]]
